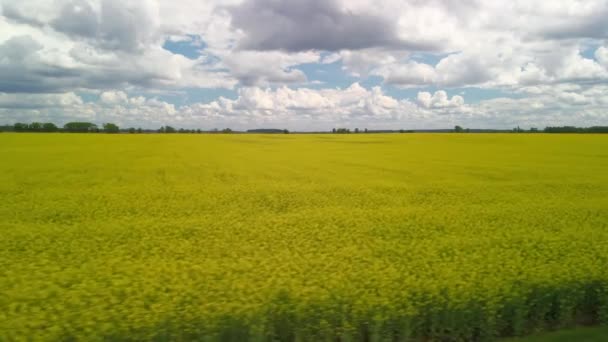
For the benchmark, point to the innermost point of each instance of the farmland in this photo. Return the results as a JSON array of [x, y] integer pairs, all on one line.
[[301, 237]]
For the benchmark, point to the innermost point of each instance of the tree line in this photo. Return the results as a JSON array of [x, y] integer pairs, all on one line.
[[72, 127], [460, 129], [365, 130], [88, 127], [549, 129], [572, 129]]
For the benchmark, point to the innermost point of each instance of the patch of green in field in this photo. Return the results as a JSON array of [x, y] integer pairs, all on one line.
[[307, 237], [599, 334]]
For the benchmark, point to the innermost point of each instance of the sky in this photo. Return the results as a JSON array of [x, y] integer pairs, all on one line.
[[305, 64]]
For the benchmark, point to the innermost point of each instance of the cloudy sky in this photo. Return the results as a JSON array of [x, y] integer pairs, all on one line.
[[305, 64]]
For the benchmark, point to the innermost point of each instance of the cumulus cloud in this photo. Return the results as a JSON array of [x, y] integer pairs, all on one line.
[[38, 101], [601, 54], [127, 25], [439, 99], [581, 21], [407, 74], [499, 68], [81, 44], [267, 67], [312, 25], [300, 108], [320, 109]]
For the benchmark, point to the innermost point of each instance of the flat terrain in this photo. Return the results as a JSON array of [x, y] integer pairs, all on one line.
[[309, 237]]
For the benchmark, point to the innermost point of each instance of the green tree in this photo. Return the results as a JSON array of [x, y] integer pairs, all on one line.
[[131, 130], [139, 130], [35, 127], [110, 128], [49, 127], [20, 127], [458, 129], [80, 127]]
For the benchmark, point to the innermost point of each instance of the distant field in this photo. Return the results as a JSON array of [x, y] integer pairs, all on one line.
[[307, 237]]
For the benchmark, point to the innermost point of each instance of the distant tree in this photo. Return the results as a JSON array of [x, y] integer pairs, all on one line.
[[35, 127], [533, 130], [563, 129], [139, 130], [198, 131], [333, 130], [401, 131], [131, 130], [49, 127], [169, 129], [285, 131], [226, 130], [20, 127], [572, 129], [356, 130], [110, 128], [161, 129], [80, 127], [458, 129], [365, 130], [597, 129], [266, 130], [343, 130]]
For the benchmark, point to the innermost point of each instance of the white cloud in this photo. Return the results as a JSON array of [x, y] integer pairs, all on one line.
[[38, 101], [601, 54], [81, 44], [439, 99], [321, 109], [267, 68], [363, 62], [114, 97], [407, 74]]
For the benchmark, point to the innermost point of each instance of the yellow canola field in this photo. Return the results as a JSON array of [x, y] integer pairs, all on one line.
[[301, 237]]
